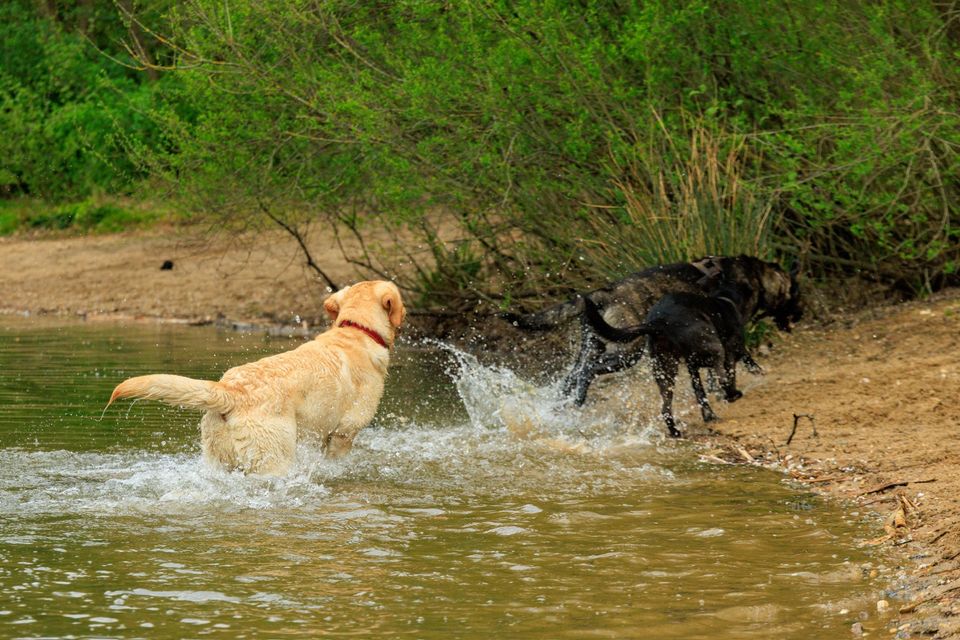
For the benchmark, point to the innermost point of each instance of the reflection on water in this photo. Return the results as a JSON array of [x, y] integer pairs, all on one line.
[[472, 508]]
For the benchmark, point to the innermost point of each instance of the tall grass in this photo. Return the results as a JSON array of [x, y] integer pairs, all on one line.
[[695, 201], [676, 198]]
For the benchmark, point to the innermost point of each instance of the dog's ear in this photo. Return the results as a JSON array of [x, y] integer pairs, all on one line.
[[776, 285], [332, 307], [394, 306]]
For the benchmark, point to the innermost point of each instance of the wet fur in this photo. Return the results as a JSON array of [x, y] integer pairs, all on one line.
[[704, 332], [766, 291], [329, 387]]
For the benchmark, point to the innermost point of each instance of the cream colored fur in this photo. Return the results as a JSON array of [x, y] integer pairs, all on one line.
[[330, 387]]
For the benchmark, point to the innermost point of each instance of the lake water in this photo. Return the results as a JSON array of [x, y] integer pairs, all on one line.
[[477, 505]]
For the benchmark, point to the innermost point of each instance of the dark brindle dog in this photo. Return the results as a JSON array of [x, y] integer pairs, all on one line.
[[767, 289], [703, 331]]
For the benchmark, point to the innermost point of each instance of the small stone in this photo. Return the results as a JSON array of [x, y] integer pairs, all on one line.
[[882, 605], [856, 629]]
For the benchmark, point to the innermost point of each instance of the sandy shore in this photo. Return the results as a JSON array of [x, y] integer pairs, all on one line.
[[882, 388], [881, 385], [260, 279]]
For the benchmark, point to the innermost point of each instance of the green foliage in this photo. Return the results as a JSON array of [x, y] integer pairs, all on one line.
[[84, 216], [68, 112], [515, 148], [759, 332], [568, 144], [9, 221]]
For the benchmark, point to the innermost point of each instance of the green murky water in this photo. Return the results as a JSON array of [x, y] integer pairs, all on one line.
[[441, 524]]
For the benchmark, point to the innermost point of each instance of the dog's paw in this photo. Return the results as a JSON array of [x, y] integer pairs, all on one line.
[[751, 365], [734, 395]]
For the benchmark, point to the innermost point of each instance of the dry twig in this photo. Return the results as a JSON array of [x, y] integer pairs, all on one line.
[[796, 420], [891, 485]]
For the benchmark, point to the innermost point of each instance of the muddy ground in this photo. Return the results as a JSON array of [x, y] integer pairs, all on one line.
[[882, 388], [880, 384]]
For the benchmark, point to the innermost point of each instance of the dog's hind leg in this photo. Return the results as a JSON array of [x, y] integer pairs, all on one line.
[[593, 362], [713, 382], [610, 362], [698, 391], [578, 380], [253, 444], [615, 361], [665, 373]]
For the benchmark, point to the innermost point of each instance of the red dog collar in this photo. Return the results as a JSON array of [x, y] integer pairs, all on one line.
[[376, 337]]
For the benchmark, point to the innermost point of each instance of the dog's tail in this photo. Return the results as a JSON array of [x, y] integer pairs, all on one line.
[[607, 331], [178, 391], [548, 318]]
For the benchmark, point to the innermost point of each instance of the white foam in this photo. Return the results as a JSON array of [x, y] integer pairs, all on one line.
[[38, 482], [497, 398], [518, 435]]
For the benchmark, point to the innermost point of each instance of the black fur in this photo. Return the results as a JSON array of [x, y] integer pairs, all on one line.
[[703, 331], [765, 289]]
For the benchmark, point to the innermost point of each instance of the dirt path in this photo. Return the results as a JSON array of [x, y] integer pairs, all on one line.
[[881, 386], [250, 279]]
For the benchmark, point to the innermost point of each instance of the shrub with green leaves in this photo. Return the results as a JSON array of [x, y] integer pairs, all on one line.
[[69, 113], [91, 215], [514, 150], [559, 145]]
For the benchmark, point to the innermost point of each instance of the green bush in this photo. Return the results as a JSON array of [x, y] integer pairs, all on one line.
[[83, 216], [69, 113], [557, 145], [9, 222], [514, 149]]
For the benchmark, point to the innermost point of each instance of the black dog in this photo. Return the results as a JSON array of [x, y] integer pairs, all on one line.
[[704, 331], [765, 290]]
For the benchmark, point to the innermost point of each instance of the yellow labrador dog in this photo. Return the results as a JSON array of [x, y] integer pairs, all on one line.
[[330, 386]]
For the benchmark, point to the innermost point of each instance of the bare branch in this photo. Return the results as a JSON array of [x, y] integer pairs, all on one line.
[[293, 231]]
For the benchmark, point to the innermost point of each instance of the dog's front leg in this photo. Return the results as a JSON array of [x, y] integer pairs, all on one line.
[[729, 373], [338, 444], [751, 364]]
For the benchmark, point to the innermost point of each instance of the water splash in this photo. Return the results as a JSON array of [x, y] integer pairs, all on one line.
[[517, 435], [497, 398], [135, 482]]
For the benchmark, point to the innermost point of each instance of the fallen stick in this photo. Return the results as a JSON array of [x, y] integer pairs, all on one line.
[[878, 500], [746, 455], [876, 541], [891, 485], [796, 421], [825, 479], [910, 608], [714, 459]]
